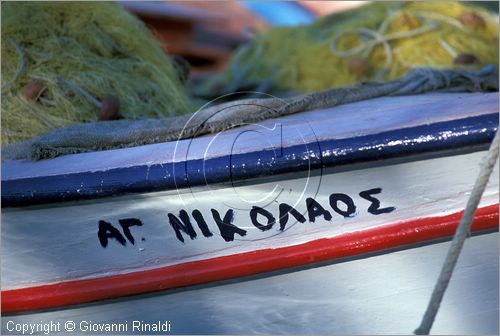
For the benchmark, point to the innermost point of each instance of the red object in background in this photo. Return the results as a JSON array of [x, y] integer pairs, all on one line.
[[322, 8], [204, 33]]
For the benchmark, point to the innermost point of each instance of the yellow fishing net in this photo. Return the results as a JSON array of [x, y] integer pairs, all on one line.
[[68, 62], [379, 41]]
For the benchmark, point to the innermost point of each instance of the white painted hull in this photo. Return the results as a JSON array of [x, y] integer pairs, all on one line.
[[63, 241], [385, 294], [118, 225], [48, 245]]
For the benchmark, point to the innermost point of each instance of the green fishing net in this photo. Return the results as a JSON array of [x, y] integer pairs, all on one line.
[[379, 41], [65, 62]]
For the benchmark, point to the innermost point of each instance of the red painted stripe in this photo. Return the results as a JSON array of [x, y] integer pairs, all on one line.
[[237, 265]]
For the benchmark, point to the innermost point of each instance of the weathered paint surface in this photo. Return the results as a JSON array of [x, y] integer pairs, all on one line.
[[47, 245], [315, 189], [385, 294], [395, 127]]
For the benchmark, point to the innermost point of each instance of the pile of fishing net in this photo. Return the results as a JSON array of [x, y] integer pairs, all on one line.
[[73, 62], [90, 56], [379, 41]]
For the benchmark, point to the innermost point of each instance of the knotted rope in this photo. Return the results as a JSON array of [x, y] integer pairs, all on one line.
[[378, 37]]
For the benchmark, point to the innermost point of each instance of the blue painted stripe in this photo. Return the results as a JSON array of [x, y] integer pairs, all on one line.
[[449, 135]]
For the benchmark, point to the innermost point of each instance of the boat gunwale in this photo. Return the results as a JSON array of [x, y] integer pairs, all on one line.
[[404, 143]]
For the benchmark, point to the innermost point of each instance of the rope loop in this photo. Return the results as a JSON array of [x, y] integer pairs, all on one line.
[[378, 37]]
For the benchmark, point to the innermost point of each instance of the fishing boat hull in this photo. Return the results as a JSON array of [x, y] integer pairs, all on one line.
[[90, 250], [363, 179], [384, 293]]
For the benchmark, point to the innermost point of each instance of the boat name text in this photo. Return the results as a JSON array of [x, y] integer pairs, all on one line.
[[261, 218]]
